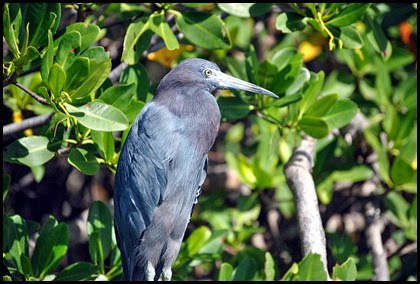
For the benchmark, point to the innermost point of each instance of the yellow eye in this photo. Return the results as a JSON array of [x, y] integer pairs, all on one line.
[[207, 72]]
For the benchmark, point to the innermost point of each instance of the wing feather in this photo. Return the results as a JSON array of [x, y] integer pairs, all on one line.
[[141, 177]]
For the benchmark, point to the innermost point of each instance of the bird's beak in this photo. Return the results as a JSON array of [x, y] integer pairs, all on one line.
[[228, 82]]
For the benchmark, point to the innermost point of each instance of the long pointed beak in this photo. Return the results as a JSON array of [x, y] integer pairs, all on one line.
[[228, 82]]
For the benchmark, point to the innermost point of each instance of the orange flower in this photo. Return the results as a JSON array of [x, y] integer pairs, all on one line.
[[167, 57], [405, 31]]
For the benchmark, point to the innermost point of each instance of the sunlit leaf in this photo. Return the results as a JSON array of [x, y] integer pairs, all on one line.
[[83, 161]]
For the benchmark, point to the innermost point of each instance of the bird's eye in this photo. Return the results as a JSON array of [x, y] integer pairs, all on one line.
[[207, 72]]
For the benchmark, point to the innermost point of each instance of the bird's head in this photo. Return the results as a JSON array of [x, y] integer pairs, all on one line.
[[200, 73]]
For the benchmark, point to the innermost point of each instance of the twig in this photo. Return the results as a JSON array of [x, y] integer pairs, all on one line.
[[300, 181], [375, 225], [32, 94], [116, 72], [32, 122], [374, 238], [63, 151], [9, 79]]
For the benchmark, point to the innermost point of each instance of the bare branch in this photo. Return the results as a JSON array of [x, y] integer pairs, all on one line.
[[63, 151], [300, 181], [32, 94], [374, 238], [9, 79], [32, 122], [116, 72]]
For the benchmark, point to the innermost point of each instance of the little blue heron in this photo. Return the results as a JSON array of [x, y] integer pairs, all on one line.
[[163, 164]]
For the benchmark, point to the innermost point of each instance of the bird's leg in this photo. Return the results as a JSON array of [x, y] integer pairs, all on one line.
[[167, 273], [150, 272]]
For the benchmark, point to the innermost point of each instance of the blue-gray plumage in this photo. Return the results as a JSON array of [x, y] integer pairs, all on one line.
[[163, 164]]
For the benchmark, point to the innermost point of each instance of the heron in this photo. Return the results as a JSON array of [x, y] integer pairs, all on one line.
[[163, 164]]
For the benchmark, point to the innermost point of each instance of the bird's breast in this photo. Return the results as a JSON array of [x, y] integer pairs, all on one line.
[[197, 116]]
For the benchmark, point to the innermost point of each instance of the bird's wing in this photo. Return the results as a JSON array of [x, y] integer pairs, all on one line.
[[141, 176]]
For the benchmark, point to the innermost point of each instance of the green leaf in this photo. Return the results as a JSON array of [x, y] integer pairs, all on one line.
[[77, 271], [47, 59], [240, 30], [339, 83], [383, 82], [246, 9], [269, 271], [251, 64], [287, 100], [88, 34], [195, 5], [42, 17], [398, 207], [402, 171], [351, 38], [267, 75], [105, 143], [345, 272], [311, 268], [118, 96], [289, 74], [349, 15], [373, 140], [38, 172], [314, 88], [77, 73], [342, 246], [232, 108], [138, 74], [83, 161], [290, 22], [198, 238], [6, 184], [290, 275], [204, 29], [133, 109], [282, 58], [69, 46], [245, 270], [99, 229], [30, 151], [225, 272], [299, 82], [322, 105], [26, 266], [341, 113], [51, 247], [56, 80], [314, 126], [136, 40], [7, 278], [99, 116], [159, 25], [377, 37], [31, 54], [12, 21], [214, 245], [18, 238], [357, 173], [98, 53], [97, 75], [399, 59]]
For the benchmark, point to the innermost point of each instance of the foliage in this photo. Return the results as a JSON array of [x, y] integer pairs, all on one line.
[[368, 67]]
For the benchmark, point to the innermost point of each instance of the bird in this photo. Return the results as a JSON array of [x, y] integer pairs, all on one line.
[[163, 164]]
